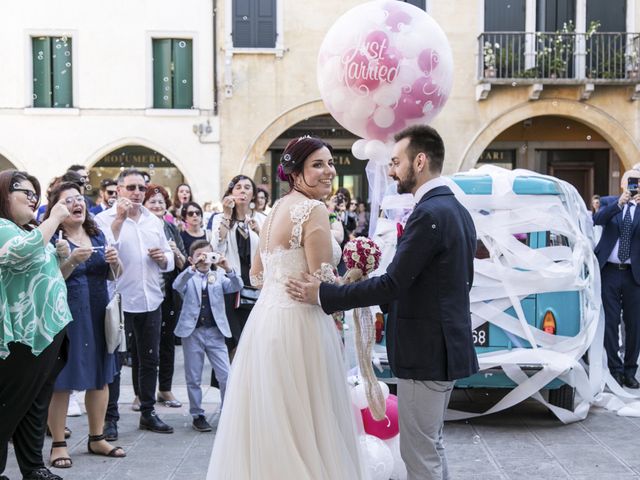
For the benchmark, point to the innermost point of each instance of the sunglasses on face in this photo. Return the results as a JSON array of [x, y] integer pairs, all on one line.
[[74, 199], [31, 195], [194, 213], [132, 188], [111, 193]]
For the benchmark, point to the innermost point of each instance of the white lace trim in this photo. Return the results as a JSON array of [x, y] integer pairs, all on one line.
[[299, 215], [325, 273], [257, 280]]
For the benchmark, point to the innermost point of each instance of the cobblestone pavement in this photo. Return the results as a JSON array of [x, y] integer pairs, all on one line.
[[523, 442]]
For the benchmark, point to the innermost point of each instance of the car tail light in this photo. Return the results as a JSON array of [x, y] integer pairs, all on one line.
[[549, 323]]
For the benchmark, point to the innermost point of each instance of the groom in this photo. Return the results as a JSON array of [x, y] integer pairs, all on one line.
[[426, 292]]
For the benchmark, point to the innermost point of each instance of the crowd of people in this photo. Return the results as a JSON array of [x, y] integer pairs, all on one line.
[[184, 277]]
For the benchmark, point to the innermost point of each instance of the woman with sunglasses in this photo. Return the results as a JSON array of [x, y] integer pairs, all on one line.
[[89, 366], [193, 228], [156, 200], [33, 319]]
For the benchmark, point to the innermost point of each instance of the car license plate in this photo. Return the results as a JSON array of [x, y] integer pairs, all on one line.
[[481, 335]]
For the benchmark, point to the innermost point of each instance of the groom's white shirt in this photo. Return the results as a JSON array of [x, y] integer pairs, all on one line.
[[430, 185]]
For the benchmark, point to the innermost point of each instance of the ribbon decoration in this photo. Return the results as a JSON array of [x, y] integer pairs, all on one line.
[[365, 337], [514, 271]]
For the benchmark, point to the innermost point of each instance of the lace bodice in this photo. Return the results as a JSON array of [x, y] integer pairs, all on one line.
[[280, 263]]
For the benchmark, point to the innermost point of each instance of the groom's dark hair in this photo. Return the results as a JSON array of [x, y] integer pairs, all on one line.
[[424, 139]]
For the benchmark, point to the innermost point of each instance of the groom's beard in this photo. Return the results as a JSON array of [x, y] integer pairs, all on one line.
[[406, 185]]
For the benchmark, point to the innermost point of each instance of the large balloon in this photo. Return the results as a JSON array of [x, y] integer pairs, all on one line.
[[386, 428], [378, 457], [384, 65]]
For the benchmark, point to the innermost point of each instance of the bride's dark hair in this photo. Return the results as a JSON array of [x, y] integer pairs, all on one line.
[[294, 155]]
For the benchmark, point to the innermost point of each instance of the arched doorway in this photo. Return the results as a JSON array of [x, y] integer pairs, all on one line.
[[160, 169], [555, 136], [351, 171], [558, 146]]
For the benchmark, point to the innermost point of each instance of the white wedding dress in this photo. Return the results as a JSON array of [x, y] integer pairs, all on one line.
[[287, 412]]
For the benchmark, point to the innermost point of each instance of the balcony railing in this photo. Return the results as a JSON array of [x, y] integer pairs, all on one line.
[[565, 58]]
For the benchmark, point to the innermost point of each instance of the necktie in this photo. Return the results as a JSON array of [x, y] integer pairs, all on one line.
[[624, 249]]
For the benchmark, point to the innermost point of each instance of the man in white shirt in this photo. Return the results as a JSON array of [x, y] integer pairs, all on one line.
[[143, 248]]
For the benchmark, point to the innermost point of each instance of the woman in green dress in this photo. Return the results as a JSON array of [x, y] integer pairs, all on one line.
[[33, 317]]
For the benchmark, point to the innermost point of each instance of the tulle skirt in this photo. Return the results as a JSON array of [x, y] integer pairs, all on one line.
[[287, 412]]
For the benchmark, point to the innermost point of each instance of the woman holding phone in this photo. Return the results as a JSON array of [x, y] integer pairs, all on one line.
[[235, 235], [89, 365]]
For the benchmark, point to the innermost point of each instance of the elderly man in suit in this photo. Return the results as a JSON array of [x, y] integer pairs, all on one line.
[[426, 289], [618, 253]]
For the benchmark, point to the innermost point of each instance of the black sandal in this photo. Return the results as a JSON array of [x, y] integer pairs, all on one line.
[[111, 453], [58, 462]]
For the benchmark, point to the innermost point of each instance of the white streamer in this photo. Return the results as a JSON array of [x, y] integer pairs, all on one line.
[[514, 271]]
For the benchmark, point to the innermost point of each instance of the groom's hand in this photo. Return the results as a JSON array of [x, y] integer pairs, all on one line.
[[304, 290]]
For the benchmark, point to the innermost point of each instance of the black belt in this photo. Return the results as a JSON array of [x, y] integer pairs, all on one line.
[[620, 266]]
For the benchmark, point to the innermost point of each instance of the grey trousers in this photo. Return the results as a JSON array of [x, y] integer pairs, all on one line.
[[421, 407], [209, 341]]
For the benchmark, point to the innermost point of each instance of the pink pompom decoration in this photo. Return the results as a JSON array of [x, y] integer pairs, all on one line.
[[386, 428], [281, 175]]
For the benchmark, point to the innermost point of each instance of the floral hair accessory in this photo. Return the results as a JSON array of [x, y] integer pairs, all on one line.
[[281, 175], [362, 254], [287, 162]]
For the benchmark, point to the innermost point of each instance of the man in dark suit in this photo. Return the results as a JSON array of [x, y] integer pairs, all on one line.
[[618, 253], [426, 289]]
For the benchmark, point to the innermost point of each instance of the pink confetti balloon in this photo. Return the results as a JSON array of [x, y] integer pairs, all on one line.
[[384, 65]]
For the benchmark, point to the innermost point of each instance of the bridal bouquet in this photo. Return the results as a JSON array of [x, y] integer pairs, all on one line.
[[362, 257]]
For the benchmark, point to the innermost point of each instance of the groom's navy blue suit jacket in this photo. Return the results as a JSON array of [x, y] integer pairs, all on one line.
[[427, 289]]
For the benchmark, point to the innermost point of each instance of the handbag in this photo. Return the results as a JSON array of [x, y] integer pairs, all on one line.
[[114, 321], [249, 295]]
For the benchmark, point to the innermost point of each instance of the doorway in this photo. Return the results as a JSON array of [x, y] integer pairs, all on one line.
[[586, 170]]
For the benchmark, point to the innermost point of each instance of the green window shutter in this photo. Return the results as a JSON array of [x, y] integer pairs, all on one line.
[[182, 73], [265, 25], [242, 28], [42, 92], [61, 72], [504, 15], [162, 86], [611, 14]]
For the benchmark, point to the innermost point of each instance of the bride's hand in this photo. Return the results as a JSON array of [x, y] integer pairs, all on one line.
[[304, 290]]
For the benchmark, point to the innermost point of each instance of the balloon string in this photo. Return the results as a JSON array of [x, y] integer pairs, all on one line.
[[364, 339]]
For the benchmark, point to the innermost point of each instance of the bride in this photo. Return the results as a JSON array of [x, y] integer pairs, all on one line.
[[287, 412]]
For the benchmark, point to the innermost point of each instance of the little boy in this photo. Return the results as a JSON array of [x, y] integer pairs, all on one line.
[[203, 324]]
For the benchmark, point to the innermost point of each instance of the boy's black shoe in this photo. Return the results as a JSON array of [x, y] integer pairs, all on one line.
[[200, 424]]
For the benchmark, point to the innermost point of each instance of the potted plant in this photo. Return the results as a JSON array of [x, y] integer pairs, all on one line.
[[489, 56], [633, 70]]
